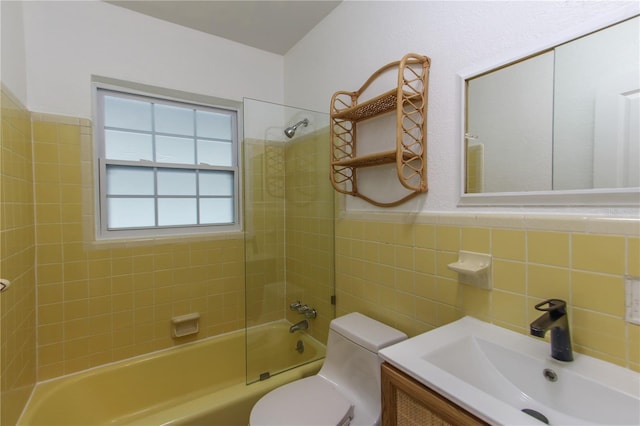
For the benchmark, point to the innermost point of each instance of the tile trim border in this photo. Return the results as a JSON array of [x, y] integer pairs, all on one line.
[[551, 222]]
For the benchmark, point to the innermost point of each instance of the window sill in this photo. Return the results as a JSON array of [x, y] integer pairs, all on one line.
[[134, 241]]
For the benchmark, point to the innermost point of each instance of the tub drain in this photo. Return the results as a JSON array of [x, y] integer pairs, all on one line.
[[535, 414], [300, 346]]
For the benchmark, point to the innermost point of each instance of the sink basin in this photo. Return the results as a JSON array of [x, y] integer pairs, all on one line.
[[508, 378]]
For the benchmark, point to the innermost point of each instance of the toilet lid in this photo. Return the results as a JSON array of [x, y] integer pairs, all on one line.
[[307, 402]]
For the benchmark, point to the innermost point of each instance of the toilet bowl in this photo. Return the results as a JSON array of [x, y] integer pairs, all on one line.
[[346, 390]]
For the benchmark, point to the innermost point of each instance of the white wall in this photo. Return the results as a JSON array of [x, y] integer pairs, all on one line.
[[68, 41], [13, 72], [357, 38]]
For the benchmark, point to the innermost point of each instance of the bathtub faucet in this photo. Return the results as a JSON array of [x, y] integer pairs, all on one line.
[[305, 310], [302, 325]]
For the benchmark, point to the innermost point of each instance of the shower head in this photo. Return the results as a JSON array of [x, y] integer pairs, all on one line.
[[290, 131]]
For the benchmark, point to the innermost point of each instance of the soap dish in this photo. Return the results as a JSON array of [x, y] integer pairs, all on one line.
[[473, 269], [185, 325]]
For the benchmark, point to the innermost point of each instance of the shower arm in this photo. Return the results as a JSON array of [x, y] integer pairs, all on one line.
[[291, 131]]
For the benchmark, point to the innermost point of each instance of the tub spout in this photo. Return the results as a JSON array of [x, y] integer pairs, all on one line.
[[302, 325]]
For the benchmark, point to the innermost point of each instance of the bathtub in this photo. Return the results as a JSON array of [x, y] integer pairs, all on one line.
[[201, 383]]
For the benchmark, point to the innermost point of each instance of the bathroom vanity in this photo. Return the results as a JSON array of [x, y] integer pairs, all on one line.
[[471, 372], [406, 401]]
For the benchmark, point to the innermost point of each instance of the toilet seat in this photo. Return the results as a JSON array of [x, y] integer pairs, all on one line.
[[290, 405]]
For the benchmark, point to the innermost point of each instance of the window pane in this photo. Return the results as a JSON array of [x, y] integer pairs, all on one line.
[[171, 119], [213, 125], [177, 211], [216, 210], [127, 113], [216, 183], [215, 153], [130, 212], [176, 182], [175, 150], [163, 161], [128, 146], [123, 180]]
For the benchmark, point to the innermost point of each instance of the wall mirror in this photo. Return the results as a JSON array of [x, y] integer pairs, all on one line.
[[559, 125]]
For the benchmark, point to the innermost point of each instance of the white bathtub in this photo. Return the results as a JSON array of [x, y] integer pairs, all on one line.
[[196, 384]]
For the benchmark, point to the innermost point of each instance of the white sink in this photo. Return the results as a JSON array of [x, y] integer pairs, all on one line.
[[496, 373]]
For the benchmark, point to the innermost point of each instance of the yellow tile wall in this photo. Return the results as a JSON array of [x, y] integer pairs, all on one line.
[[289, 221], [102, 302], [309, 212], [17, 260], [580, 260], [264, 206]]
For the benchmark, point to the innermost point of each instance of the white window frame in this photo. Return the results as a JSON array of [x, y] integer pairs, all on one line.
[[102, 86]]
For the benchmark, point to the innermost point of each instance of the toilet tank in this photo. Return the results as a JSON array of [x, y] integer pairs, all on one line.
[[353, 365]]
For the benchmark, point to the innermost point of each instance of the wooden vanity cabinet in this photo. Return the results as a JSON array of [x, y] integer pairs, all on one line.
[[406, 402]]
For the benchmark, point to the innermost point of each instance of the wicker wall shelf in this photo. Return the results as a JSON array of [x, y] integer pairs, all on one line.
[[409, 101]]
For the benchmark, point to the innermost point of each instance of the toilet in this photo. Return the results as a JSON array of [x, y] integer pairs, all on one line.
[[346, 390]]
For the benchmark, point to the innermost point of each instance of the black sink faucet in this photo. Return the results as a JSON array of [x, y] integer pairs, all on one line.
[[555, 318]]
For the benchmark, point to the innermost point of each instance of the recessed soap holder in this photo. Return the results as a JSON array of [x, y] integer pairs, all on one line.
[[473, 269], [185, 325]]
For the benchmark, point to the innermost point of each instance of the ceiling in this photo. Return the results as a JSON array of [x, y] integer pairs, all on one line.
[[271, 25]]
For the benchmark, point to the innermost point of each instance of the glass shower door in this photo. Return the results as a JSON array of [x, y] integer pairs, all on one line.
[[289, 219]]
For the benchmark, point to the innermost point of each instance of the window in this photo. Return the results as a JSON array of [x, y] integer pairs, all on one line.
[[165, 166]]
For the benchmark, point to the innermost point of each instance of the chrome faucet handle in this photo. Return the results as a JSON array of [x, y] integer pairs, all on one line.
[[302, 309], [311, 313], [295, 306]]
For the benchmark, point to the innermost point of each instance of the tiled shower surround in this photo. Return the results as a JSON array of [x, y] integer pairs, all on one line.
[[17, 260], [104, 301], [288, 216]]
